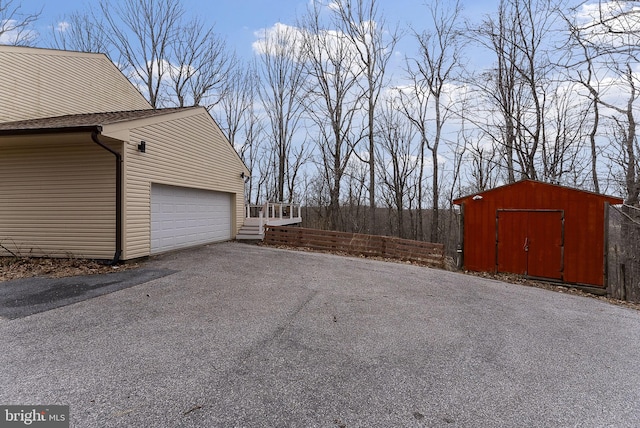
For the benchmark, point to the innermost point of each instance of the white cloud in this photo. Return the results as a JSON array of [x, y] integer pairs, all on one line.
[[280, 37], [62, 26], [333, 5], [612, 23], [12, 33]]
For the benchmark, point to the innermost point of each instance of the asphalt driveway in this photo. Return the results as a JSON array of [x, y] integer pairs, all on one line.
[[247, 336]]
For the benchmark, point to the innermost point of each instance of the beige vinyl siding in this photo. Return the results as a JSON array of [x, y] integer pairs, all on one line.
[[41, 83], [57, 198], [188, 151]]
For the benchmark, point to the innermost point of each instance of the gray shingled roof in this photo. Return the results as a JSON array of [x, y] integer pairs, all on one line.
[[86, 120]]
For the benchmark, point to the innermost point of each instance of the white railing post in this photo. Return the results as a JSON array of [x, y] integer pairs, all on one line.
[[261, 227], [277, 213]]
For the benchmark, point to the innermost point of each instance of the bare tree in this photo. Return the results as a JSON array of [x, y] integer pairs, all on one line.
[[353, 215], [457, 149], [238, 116], [484, 164], [200, 64], [333, 100], [563, 151], [265, 165], [172, 60], [608, 42], [15, 25], [580, 68], [374, 43], [625, 134], [79, 32], [396, 160], [534, 19], [232, 111], [439, 60], [520, 36], [141, 32], [414, 102], [282, 82], [499, 85], [316, 199], [613, 28]]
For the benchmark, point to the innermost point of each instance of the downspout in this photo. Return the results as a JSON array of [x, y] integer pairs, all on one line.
[[94, 137]]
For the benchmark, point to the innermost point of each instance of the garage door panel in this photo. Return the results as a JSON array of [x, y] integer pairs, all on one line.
[[183, 217]]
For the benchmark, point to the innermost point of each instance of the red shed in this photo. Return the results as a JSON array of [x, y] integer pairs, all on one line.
[[536, 229]]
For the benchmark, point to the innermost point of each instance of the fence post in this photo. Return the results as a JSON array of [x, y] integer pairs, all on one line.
[[261, 228], [605, 272], [460, 249]]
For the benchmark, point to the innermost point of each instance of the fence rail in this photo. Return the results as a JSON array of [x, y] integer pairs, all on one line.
[[357, 244]]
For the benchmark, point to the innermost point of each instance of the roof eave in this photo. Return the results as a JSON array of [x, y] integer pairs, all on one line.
[[614, 200], [45, 131]]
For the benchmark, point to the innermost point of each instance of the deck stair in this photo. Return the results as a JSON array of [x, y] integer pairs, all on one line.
[[257, 217]]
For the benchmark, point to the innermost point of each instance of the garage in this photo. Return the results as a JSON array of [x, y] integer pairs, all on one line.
[[183, 217], [78, 172]]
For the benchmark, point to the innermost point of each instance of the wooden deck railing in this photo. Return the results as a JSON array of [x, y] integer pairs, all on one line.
[[357, 244], [271, 213], [273, 210]]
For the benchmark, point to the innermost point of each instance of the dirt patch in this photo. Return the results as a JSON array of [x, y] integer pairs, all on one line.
[[559, 288], [26, 267]]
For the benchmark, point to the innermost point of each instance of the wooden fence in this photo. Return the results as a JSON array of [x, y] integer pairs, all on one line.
[[357, 244]]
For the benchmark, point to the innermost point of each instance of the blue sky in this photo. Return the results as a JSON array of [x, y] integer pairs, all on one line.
[[238, 20]]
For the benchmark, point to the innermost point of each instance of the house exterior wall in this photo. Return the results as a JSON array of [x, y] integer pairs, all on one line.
[[39, 83], [57, 197], [584, 226], [187, 149]]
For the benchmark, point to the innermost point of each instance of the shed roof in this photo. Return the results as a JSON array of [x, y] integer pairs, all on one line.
[[537, 185]]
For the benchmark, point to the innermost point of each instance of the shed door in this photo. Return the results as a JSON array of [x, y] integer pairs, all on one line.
[[530, 243], [183, 217]]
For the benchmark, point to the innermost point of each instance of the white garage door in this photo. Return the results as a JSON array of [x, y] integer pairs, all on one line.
[[183, 217]]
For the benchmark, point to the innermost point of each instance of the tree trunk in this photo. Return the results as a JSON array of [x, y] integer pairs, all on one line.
[[433, 236], [594, 151]]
